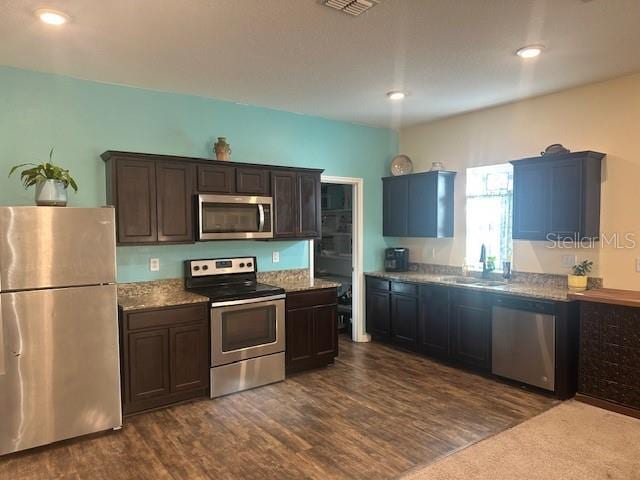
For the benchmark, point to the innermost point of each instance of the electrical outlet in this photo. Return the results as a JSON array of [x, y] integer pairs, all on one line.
[[638, 264], [569, 260], [275, 257], [154, 264]]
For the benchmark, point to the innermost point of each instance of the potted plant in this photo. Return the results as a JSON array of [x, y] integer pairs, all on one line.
[[50, 180], [578, 277]]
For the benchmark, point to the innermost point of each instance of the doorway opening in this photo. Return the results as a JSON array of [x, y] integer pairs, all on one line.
[[338, 255]]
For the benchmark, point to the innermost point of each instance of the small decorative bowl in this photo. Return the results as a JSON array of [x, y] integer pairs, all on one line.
[[401, 165]]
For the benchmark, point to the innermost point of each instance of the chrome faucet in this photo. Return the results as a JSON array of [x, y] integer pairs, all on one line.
[[483, 260]]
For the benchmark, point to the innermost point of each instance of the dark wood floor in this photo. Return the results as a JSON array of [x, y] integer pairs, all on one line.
[[375, 414]]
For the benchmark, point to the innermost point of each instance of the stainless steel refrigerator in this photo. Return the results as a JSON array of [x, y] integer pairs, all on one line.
[[59, 360]]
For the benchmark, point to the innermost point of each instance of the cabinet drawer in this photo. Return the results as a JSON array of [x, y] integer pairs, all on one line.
[[166, 316], [311, 298], [378, 283], [406, 288]]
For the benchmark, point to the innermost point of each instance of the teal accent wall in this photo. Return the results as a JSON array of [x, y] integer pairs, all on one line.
[[81, 119]]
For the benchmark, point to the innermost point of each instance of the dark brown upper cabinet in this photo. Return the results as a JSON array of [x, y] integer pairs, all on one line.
[[254, 181], [418, 205], [557, 196], [296, 203], [153, 199], [216, 179], [154, 195]]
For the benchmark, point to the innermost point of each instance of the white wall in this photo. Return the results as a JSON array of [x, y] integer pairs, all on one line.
[[603, 117]]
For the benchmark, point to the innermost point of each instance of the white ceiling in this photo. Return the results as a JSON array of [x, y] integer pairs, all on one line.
[[298, 55]]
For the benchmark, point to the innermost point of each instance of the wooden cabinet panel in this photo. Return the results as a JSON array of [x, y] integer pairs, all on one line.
[[149, 364], [565, 213], [216, 179], [254, 181], [530, 202], [311, 329], [378, 313], [309, 205], [135, 201], [395, 206], [299, 334], [325, 331], [174, 189], [404, 320], [283, 190], [434, 321], [189, 357], [471, 329]]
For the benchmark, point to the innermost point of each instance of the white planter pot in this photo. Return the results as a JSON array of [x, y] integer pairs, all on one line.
[[52, 193], [577, 282]]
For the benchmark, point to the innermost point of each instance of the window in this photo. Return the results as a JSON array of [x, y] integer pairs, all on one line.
[[489, 204]]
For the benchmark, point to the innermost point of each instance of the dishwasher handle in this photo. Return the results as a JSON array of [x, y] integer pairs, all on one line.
[[535, 306]]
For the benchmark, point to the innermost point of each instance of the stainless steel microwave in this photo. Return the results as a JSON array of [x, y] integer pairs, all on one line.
[[227, 217]]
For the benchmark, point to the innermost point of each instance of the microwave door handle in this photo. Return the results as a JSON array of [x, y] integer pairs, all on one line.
[[260, 217]]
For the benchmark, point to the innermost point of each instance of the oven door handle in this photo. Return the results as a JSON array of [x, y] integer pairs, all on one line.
[[248, 301], [260, 217]]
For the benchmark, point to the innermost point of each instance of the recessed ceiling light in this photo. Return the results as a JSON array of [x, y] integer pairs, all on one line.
[[530, 51], [52, 17], [395, 95]]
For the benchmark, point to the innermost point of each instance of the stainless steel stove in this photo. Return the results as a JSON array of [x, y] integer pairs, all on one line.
[[247, 323]]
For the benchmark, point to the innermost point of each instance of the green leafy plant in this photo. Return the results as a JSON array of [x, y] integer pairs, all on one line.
[[44, 171], [491, 263], [582, 269]]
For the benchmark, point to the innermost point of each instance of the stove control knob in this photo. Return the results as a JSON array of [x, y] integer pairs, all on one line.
[[196, 268], [205, 267], [249, 264], [241, 265]]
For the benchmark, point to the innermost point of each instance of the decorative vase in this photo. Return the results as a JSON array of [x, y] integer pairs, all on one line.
[[52, 193], [577, 282], [222, 149]]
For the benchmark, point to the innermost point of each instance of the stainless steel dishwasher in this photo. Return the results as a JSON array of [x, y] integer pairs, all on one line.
[[523, 341]]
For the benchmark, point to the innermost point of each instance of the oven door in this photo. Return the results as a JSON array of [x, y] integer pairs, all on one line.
[[233, 217], [244, 329]]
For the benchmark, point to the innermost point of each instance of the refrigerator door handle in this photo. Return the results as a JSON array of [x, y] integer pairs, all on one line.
[[3, 368]]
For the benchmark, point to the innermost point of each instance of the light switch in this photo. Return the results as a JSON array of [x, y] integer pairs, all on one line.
[[569, 260], [275, 257], [154, 264]]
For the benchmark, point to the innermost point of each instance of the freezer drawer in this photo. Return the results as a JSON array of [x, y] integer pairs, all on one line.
[[61, 367], [523, 346], [52, 247]]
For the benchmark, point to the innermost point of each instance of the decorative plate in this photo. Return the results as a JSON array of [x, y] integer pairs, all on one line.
[[401, 165]]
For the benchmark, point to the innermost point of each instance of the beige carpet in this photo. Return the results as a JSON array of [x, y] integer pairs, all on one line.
[[570, 441]]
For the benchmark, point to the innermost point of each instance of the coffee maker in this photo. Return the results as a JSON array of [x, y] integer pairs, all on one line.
[[396, 259]]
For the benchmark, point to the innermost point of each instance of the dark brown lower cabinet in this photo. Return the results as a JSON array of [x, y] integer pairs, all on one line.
[[404, 325], [471, 329], [311, 329], [433, 327], [164, 356]]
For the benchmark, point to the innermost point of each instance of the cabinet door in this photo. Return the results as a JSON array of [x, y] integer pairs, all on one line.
[[254, 181], [136, 201], [422, 206], [530, 201], [471, 330], [299, 333], [175, 202], [148, 364], [189, 352], [565, 213], [433, 328], [216, 179], [325, 331], [283, 189], [378, 313], [404, 320], [309, 217], [395, 207]]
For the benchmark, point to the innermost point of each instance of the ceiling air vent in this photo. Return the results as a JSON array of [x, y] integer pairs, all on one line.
[[352, 7]]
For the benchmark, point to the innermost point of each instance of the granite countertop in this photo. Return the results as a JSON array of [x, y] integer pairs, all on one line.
[[299, 285], [531, 290], [628, 298], [159, 299]]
